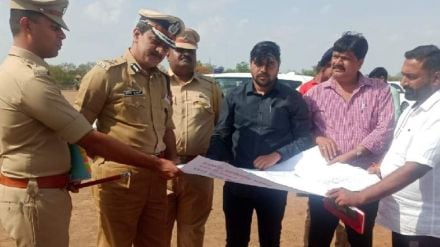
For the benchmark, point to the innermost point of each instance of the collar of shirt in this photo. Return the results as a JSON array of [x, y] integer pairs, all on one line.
[[362, 81], [20, 52], [132, 61], [180, 82], [431, 101], [250, 90]]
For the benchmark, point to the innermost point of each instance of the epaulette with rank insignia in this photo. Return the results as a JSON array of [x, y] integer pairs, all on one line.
[[107, 64], [40, 71], [37, 70]]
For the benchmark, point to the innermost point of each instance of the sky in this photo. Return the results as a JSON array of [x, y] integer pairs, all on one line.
[[304, 29]]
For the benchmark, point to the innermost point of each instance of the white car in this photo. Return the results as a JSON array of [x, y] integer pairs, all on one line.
[[404, 103], [293, 76], [228, 81]]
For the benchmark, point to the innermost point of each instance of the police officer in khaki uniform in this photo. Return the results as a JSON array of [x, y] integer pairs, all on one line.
[[196, 103], [130, 99], [36, 125]]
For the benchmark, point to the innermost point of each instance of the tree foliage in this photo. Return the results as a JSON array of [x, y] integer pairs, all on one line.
[[63, 73], [241, 67], [68, 74], [309, 72], [204, 68], [397, 77]]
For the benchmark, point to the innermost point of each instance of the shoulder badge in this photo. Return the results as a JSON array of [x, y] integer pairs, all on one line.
[[135, 68], [107, 64], [40, 71]]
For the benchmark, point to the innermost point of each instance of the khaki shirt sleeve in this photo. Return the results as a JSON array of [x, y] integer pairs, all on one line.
[[92, 93], [43, 101]]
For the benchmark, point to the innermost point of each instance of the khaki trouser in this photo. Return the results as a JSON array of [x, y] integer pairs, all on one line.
[[36, 217], [130, 212], [189, 204]]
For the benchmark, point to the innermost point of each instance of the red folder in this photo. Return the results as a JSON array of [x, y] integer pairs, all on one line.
[[351, 216]]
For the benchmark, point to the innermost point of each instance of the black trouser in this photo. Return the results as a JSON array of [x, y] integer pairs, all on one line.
[[239, 202], [323, 225], [400, 240]]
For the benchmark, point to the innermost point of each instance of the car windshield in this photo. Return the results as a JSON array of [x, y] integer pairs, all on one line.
[[397, 87]]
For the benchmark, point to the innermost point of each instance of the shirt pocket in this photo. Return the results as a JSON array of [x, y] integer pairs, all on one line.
[[134, 109], [279, 117], [200, 107]]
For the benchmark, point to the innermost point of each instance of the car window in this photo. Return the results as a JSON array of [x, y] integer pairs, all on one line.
[[228, 84], [397, 87], [290, 83]]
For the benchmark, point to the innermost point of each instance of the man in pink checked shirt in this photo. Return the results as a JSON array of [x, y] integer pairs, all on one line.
[[353, 122]]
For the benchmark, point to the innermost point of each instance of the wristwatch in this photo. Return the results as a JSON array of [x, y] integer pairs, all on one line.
[[358, 152]]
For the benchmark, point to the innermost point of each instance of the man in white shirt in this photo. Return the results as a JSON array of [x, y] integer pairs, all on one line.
[[410, 207]]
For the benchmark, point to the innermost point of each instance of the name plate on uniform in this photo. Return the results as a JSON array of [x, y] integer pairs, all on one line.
[[132, 92]]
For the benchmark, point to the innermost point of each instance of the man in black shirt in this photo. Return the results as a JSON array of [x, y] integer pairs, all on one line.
[[261, 124]]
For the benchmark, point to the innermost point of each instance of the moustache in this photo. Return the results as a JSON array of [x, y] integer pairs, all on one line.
[[263, 74], [155, 54], [338, 67], [183, 57]]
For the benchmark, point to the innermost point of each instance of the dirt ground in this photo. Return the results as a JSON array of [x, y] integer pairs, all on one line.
[[84, 221]]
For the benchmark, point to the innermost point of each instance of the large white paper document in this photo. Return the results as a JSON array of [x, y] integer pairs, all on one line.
[[307, 171]]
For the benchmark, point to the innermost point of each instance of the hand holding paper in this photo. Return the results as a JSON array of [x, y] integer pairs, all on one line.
[[351, 216], [343, 197]]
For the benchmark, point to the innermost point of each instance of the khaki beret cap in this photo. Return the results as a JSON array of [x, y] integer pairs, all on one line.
[[188, 39], [165, 27], [53, 9]]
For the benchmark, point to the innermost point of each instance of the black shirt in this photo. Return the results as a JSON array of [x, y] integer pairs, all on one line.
[[252, 124]]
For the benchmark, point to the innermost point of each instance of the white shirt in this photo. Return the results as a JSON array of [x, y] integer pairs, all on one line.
[[415, 210]]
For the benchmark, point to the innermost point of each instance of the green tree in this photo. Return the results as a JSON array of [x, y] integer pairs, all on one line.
[[204, 68], [242, 67], [68, 74], [64, 73], [396, 77], [309, 72], [83, 68]]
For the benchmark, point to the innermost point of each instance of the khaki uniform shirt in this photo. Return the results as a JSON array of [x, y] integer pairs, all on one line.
[[196, 107], [36, 120], [128, 103]]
